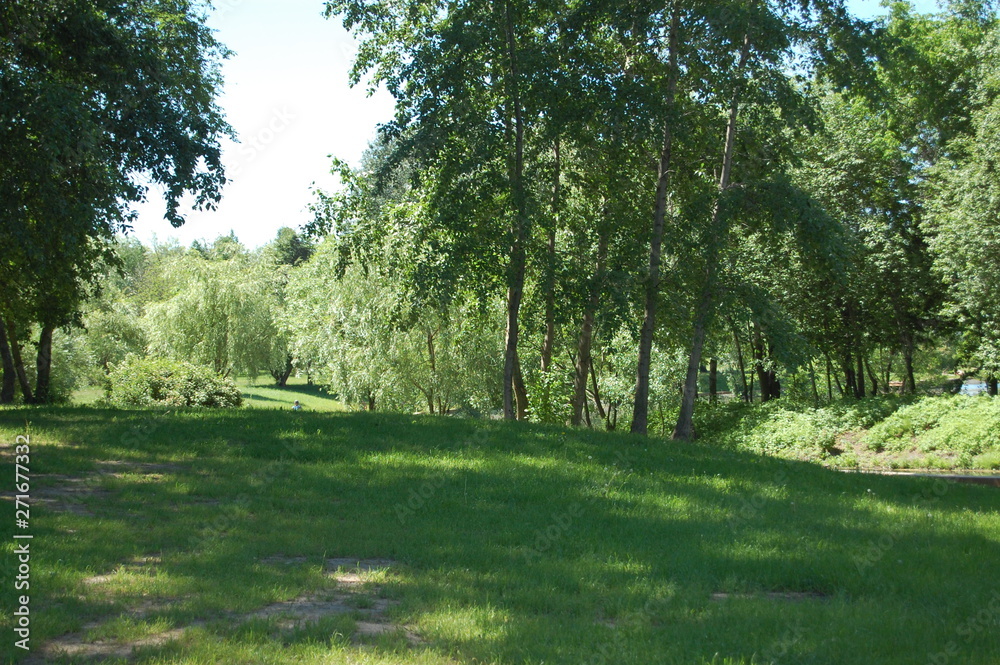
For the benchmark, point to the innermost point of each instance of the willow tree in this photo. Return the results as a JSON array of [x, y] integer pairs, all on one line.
[[223, 314]]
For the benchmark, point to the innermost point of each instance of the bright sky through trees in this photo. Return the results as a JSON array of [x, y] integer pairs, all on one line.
[[287, 96]]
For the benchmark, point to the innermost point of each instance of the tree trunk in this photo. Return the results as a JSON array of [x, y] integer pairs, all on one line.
[[713, 380], [9, 377], [15, 351], [812, 381], [909, 382], [770, 387], [280, 376], [597, 394], [860, 375], [43, 366], [871, 377], [548, 342], [887, 376], [991, 386], [640, 411], [739, 359], [684, 430], [829, 378], [582, 363], [371, 401], [583, 360], [850, 381], [520, 391], [519, 234]]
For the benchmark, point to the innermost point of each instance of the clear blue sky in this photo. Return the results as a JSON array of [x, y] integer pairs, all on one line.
[[286, 94]]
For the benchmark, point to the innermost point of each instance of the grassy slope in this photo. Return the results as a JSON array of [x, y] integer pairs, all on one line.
[[942, 432], [265, 395], [260, 394], [516, 544]]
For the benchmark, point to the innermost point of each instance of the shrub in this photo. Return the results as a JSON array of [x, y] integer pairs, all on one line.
[[159, 382], [792, 429], [789, 431], [955, 423]]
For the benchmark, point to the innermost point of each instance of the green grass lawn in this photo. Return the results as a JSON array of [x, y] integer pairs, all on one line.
[[204, 537], [263, 394], [259, 394]]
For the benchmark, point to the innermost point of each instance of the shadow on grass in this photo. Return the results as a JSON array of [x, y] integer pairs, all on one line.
[[522, 543]]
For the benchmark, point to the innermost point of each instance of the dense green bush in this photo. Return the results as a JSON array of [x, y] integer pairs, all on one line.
[[156, 381], [788, 428], [943, 431], [958, 423]]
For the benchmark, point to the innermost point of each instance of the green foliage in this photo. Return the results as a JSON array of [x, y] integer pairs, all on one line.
[[289, 248], [99, 101], [113, 330], [549, 396], [953, 423], [161, 382], [356, 330], [788, 429], [223, 313], [72, 365]]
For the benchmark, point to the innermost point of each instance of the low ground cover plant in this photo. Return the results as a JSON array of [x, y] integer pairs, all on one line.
[[956, 423]]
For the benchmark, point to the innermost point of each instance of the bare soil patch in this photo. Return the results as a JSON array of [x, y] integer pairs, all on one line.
[[352, 593], [66, 493]]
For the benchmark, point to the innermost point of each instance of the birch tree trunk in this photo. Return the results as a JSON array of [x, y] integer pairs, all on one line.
[[640, 410], [516, 268], [684, 430]]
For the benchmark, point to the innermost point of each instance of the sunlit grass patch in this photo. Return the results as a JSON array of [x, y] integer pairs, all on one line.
[[272, 536]]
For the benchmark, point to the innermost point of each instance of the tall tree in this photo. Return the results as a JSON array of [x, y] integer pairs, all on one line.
[[750, 44], [640, 413], [98, 100], [964, 232], [467, 105]]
